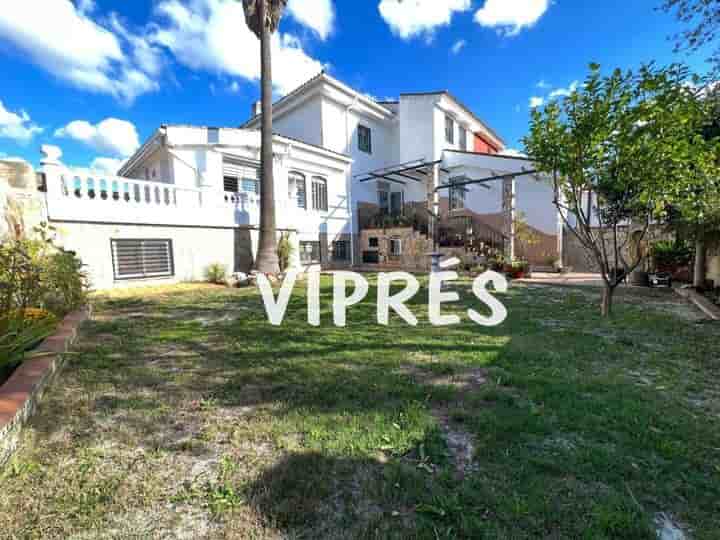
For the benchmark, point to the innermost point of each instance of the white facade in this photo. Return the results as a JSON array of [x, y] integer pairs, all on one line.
[[434, 128], [203, 198], [189, 183]]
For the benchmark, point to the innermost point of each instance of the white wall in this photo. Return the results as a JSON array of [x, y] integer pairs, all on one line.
[[417, 139], [193, 249], [534, 200], [304, 122], [483, 201]]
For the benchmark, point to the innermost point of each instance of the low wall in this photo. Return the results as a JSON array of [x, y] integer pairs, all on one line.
[[21, 393]]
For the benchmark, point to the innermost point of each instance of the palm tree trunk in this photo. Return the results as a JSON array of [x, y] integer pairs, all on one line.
[[267, 259]]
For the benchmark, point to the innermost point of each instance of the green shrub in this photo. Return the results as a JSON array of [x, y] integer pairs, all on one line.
[[216, 273], [18, 334], [39, 282], [668, 254]]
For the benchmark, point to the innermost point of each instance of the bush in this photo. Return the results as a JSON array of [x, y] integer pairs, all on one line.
[[216, 273], [39, 282], [669, 256]]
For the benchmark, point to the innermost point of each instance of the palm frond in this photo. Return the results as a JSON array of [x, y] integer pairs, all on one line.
[[274, 12]]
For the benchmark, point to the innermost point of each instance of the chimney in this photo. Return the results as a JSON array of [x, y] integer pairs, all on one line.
[[256, 109]]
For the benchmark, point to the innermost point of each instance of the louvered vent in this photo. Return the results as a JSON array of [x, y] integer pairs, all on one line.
[[137, 259]]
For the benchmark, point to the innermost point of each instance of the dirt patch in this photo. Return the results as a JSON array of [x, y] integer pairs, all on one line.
[[460, 443]]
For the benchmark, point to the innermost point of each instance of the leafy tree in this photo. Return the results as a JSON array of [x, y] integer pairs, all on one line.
[[618, 150], [703, 20], [263, 18]]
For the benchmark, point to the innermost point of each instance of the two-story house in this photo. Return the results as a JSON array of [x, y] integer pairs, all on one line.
[[403, 153], [358, 182]]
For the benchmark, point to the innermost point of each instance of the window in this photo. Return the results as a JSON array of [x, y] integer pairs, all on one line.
[[374, 242], [231, 184], [396, 203], [341, 250], [319, 194], [140, 258], [309, 252], [463, 138], [457, 198], [384, 201], [449, 130], [395, 247], [296, 188], [250, 185], [213, 135], [365, 139]]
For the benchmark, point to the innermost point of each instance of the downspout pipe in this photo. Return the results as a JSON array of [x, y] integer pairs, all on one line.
[[348, 136]]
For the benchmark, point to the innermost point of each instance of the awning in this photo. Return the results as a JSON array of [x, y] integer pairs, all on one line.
[[415, 171], [476, 168], [458, 168]]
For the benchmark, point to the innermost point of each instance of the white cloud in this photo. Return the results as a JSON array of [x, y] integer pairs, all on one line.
[[510, 17], [458, 46], [410, 18], [64, 40], [564, 92], [319, 15], [536, 102], [106, 165], [17, 126], [512, 152], [543, 84], [117, 137], [212, 35]]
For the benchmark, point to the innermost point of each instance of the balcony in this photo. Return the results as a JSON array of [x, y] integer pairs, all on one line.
[[112, 199]]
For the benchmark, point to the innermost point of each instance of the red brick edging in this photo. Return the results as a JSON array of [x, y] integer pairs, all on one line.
[[20, 394]]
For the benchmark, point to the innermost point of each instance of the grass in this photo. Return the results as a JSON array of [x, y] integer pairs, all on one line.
[[183, 414]]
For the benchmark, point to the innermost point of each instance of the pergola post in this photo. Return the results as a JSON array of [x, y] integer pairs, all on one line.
[[509, 211], [433, 202]]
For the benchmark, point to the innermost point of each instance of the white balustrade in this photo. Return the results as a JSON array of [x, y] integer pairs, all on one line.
[[112, 199]]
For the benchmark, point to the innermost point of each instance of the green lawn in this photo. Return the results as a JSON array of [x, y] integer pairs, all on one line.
[[183, 414]]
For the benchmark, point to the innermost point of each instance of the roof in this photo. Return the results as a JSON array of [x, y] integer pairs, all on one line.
[[462, 106], [380, 103], [140, 152], [323, 75]]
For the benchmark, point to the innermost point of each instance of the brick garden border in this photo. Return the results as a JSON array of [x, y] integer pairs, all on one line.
[[21, 393], [710, 310]]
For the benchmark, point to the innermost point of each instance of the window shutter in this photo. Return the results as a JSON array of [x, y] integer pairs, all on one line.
[[141, 258]]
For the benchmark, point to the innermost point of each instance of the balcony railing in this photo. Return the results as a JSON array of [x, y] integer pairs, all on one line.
[[413, 215], [112, 199], [471, 233]]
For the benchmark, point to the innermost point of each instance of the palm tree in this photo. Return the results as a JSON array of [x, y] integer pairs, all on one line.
[[263, 17]]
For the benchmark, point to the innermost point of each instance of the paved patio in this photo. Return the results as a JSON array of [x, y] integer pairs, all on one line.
[[552, 278]]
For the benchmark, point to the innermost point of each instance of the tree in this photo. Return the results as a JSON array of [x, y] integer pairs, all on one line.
[[614, 149], [703, 18], [693, 200], [263, 18]]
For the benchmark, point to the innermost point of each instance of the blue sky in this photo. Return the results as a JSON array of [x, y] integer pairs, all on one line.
[[98, 77]]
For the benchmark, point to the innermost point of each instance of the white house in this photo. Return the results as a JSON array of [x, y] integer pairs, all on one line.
[[189, 198], [404, 151], [356, 181]]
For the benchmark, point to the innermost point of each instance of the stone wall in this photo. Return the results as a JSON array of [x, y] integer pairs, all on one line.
[[578, 259], [415, 248]]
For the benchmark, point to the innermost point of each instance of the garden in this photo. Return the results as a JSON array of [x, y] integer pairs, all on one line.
[[39, 284], [183, 414]]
